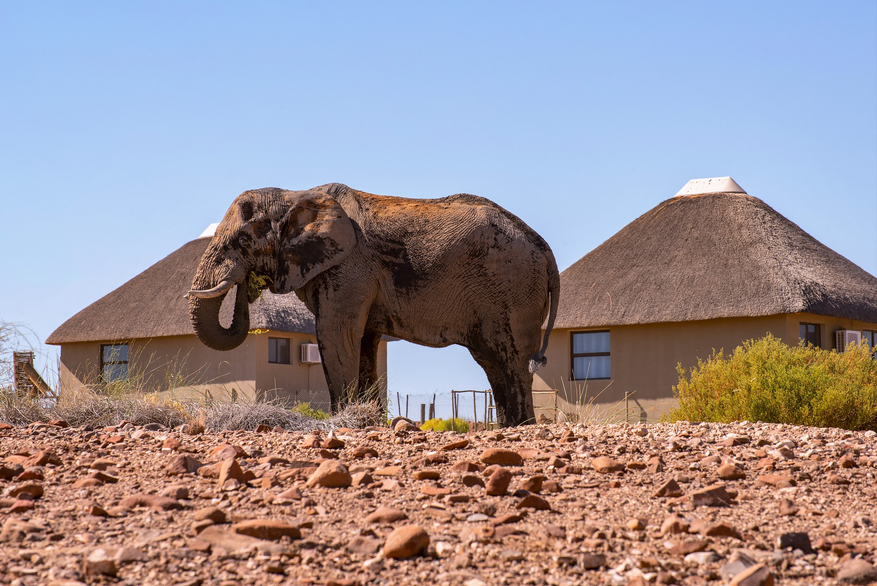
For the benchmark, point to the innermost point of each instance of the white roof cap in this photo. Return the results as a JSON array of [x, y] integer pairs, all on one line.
[[711, 185], [209, 231]]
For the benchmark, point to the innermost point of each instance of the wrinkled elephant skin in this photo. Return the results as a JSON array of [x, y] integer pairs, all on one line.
[[456, 270]]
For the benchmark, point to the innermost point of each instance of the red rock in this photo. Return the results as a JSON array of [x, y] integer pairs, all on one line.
[[42, 458], [778, 480], [498, 482], [471, 480], [688, 546], [721, 530], [388, 471], [464, 466], [99, 562], [670, 488], [21, 506], [364, 545], [361, 479], [426, 475], [262, 428], [757, 575], [711, 496], [787, 508], [115, 439], [30, 474], [171, 444], [405, 542], [87, 483], [332, 442], [182, 464], [674, 524], [228, 470], [34, 490], [365, 452], [533, 484], [551, 486], [730, 472], [293, 494], [226, 451], [655, 464], [502, 457], [59, 423], [267, 529], [386, 515], [456, 445], [605, 465], [311, 441], [435, 491], [235, 542], [533, 501], [163, 503], [507, 518], [103, 477], [330, 474]]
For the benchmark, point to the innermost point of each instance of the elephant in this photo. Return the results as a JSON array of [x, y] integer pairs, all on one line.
[[453, 270]]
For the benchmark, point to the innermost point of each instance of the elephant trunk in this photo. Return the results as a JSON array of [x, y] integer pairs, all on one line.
[[204, 313]]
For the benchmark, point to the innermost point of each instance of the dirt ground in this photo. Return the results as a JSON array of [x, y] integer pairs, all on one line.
[[746, 503]]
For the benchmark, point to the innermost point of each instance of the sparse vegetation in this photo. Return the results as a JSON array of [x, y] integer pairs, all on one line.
[[767, 380], [439, 424], [308, 411]]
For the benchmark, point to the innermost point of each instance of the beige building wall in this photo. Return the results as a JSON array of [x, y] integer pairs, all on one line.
[[186, 367], [644, 359]]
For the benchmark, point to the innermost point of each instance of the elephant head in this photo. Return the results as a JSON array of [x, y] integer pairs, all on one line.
[[287, 236]]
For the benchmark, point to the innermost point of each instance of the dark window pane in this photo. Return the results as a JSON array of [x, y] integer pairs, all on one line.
[[278, 350], [115, 353], [283, 351], [591, 367], [590, 342], [115, 372]]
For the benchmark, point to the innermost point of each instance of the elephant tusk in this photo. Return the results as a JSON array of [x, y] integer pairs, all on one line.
[[220, 289]]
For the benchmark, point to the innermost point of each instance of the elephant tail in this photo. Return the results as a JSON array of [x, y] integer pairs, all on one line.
[[539, 360]]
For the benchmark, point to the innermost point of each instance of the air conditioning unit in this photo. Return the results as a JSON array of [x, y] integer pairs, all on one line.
[[846, 337], [310, 354]]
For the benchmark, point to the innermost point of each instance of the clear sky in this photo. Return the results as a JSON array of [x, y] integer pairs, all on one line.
[[127, 127]]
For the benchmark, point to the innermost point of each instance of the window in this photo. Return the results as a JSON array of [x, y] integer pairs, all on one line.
[[869, 337], [278, 350], [590, 355], [113, 362], [811, 334]]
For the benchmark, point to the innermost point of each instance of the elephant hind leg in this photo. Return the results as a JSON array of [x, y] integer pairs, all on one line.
[[512, 386]]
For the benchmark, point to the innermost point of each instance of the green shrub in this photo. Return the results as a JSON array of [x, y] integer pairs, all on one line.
[[445, 425], [308, 411], [767, 380]]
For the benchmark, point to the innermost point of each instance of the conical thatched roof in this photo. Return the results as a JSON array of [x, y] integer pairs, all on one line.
[[152, 305], [711, 256]]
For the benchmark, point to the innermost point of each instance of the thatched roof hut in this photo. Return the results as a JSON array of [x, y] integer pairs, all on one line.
[[151, 305], [708, 256]]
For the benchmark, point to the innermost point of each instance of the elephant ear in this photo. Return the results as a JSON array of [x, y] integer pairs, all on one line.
[[315, 235]]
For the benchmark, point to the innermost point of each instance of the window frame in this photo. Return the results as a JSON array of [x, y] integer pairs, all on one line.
[[818, 333], [870, 337], [573, 355], [276, 351], [104, 363]]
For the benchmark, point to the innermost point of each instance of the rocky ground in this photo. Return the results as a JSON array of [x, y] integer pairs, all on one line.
[[746, 503]]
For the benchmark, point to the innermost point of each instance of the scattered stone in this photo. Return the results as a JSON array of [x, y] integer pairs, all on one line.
[[857, 571], [330, 474], [162, 503], [532, 501], [364, 545], [795, 540], [501, 457], [182, 464], [267, 529], [99, 562], [498, 483], [214, 514], [605, 465], [405, 542], [426, 475], [457, 445], [757, 575], [787, 508], [730, 472], [386, 515], [670, 488]]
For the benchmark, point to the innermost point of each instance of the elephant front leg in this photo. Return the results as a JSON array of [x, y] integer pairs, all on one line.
[[339, 351], [368, 365]]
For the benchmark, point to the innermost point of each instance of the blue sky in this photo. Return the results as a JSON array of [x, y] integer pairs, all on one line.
[[127, 127]]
